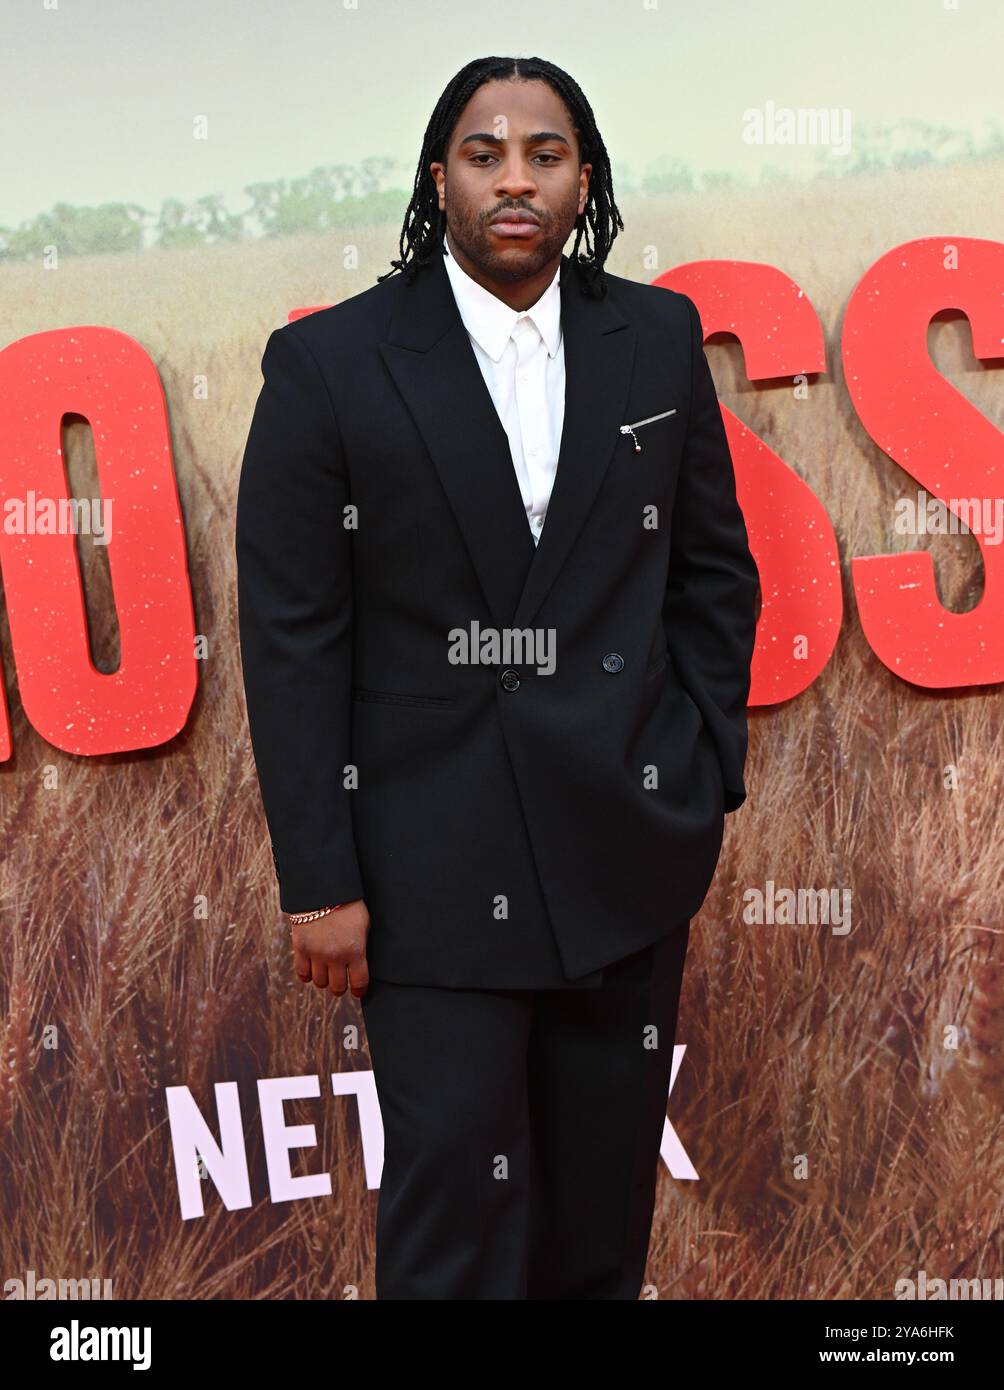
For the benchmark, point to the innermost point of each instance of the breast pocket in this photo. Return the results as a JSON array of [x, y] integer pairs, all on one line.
[[639, 426], [646, 462]]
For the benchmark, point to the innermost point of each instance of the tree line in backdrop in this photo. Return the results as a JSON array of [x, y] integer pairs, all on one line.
[[344, 195]]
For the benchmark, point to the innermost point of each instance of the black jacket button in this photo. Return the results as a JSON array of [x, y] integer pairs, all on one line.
[[613, 662], [510, 680]]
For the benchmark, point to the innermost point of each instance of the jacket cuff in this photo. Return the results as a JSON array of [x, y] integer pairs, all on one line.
[[321, 881], [734, 799]]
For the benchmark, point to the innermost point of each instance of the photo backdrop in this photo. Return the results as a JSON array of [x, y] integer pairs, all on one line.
[[826, 186]]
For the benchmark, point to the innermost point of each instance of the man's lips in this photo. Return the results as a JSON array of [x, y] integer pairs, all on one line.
[[515, 223]]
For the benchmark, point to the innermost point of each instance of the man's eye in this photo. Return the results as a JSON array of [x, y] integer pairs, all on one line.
[[485, 154]]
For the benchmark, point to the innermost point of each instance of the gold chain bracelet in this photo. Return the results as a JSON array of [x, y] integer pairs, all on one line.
[[299, 917]]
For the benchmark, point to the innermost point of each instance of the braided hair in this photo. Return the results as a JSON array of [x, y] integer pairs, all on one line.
[[424, 223]]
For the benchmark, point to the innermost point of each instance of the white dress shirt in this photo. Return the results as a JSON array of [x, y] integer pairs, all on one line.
[[522, 359]]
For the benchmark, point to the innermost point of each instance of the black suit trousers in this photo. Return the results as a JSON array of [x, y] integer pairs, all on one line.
[[522, 1130]]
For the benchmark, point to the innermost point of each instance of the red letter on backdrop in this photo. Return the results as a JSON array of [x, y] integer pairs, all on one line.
[[929, 428], [107, 377], [790, 533]]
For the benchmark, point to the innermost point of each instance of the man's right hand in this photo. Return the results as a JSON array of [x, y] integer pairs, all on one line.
[[331, 950]]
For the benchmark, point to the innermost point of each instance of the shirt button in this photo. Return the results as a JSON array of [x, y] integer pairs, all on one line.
[[613, 662]]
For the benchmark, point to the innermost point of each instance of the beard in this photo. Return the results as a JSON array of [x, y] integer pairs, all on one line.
[[470, 231]]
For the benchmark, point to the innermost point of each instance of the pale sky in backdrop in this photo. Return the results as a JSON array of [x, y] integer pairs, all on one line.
[[97, 97]]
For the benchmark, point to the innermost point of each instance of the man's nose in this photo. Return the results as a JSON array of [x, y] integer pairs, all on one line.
[[516, 179]]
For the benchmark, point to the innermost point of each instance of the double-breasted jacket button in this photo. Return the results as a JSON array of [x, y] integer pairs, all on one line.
[[613, 662], [510, 680]]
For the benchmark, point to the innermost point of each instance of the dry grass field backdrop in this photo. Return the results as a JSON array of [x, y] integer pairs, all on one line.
[[799, 1042]]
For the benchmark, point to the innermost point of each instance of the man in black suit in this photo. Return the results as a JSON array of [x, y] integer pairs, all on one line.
[[496, 750]]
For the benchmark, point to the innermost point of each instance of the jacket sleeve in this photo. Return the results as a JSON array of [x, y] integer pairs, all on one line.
[[294, 594], [709, 612]]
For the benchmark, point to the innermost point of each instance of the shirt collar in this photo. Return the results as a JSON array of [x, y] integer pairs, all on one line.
[[490, 322]]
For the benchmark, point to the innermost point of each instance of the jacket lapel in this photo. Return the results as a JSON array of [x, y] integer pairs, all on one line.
[[432, 362]]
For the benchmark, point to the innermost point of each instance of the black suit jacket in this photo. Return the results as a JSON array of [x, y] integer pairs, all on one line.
[[504, 829]]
